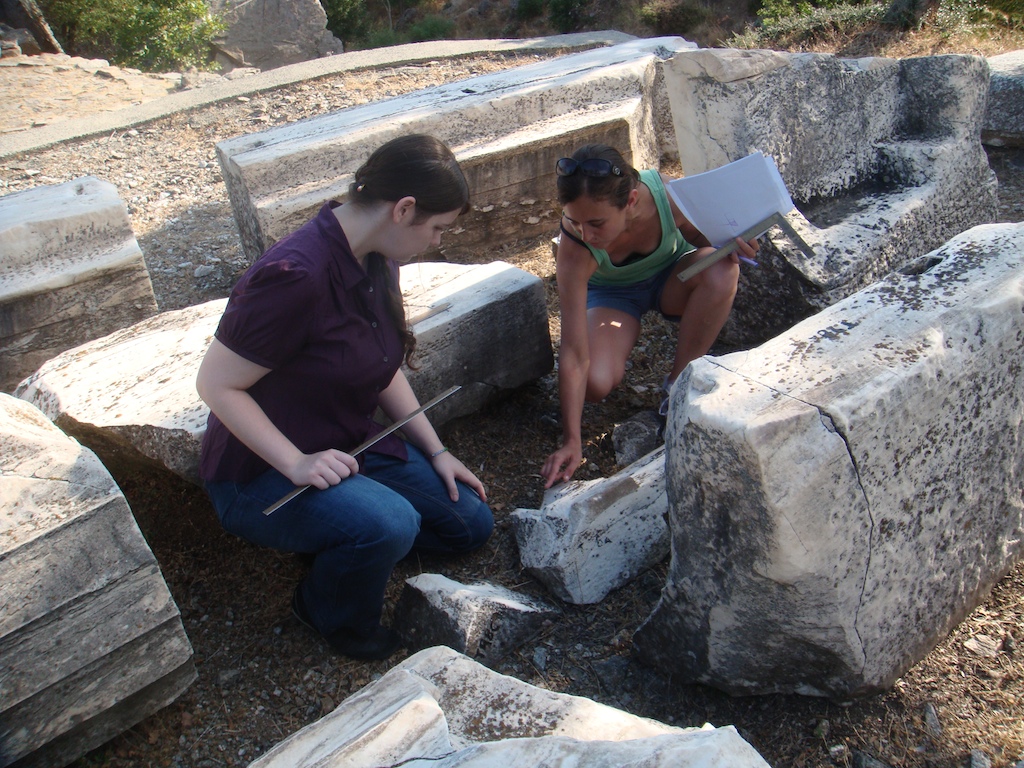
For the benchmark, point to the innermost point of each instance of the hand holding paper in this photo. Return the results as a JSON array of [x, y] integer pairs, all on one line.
[[742, 199], [725, 202]]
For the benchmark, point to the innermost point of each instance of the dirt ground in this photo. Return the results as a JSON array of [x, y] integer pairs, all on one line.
[[262, 676]]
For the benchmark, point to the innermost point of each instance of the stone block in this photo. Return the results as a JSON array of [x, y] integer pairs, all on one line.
[[507, 129], [70, 271], [843, 495], [484, 621], [271, 33], [441, 707], [91, 641], [881, 156], [1004, 113], [590, 537], [637, 436], [132, 394]]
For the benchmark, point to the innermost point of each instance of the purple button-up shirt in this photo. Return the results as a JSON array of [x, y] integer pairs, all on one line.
[[308, 311]]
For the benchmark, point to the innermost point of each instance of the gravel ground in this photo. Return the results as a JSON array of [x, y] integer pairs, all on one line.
[[262, 676]]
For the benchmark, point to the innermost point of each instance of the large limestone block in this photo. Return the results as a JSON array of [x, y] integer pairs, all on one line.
[[484, 621], [272, 33], [484, 327], [70, 271], [443, 709], [132, 394], [507, 129], [90, 640], [590, 537], [841, 496], [881, 156], [1004, 115]]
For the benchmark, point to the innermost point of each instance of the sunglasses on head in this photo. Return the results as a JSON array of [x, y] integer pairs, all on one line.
[[594, 166]]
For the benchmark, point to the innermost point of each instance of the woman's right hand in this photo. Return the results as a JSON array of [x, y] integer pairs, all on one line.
[[323, 469], [561, 464]]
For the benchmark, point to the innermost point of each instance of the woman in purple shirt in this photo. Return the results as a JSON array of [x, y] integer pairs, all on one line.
[[310, 345]]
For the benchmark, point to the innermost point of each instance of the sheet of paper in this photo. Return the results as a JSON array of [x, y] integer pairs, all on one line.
[[726, 201]]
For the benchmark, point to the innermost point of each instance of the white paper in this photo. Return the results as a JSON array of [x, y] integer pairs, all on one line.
[[725, 202]]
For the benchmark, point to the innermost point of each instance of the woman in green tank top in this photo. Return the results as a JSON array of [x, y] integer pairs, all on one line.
[[623, 241]]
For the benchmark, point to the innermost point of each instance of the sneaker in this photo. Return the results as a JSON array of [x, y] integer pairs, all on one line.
[[380, 643]]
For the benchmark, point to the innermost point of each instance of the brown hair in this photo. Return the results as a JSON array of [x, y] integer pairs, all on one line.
[[418, 166], [614, 189]]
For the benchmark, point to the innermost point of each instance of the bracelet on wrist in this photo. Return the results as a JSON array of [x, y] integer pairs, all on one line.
[[435, 454]]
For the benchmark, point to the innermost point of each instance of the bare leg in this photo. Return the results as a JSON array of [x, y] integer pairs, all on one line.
[[703, 304], [611, 337]]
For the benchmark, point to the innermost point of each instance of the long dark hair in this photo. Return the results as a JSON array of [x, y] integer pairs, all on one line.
[[416, 166], [614, 189]]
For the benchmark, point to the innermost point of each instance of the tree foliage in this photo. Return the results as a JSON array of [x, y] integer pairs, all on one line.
[[151, 35]]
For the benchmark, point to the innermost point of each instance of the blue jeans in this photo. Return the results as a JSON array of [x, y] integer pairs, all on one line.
[[357, 530]]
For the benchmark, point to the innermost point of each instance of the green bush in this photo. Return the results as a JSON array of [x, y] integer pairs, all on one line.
[[431, 27], [151, 35], [674, 17], [567, 15], [348, 19], [807, 24], [526, 10]]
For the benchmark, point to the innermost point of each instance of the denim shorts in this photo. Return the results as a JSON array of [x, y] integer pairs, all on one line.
[[637, 299]]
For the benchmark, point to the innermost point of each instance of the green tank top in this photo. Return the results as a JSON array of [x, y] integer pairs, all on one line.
[[671, 247]]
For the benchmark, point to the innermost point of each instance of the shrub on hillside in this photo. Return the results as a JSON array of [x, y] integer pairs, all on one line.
[[674, 17], [347, 19], [151, 35]]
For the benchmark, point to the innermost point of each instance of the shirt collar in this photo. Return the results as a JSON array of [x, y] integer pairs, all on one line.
[[344, 263]]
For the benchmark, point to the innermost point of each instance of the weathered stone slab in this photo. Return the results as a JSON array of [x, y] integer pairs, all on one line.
[[70, 271], [443, 708], [272, 33], [841, 496], [881, 156], [507, 129], [590, 537], [133, 393], [1004, 115], [90, 640], [484, 621]]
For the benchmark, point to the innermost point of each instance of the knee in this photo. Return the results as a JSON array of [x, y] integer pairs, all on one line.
[[600, 383], [479, 526], [721, 280], [389, 532]]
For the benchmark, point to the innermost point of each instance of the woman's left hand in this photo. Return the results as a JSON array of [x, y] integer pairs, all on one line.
[[450, 469], [746, 249]]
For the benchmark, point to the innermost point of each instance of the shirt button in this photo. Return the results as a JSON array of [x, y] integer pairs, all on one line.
[[371, 289], [373, 324], [385, 358]]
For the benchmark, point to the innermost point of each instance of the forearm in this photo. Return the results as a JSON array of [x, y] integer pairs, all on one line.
[[246, 421], [572, 388]]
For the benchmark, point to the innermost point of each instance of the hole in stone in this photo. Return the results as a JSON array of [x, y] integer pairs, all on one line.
[[919, 266], [825, 212]]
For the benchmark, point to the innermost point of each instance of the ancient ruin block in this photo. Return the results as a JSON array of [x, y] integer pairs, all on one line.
[[882, 157], [70, 271], [843, 495], [90, 640], [299, 33], [590, 537], [133, 392], [443, 708], [507, 129], [484, 621], [1004, 113]]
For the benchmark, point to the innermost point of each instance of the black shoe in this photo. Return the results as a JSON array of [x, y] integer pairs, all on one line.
[[380, 643]]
